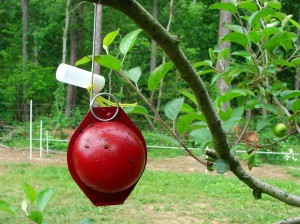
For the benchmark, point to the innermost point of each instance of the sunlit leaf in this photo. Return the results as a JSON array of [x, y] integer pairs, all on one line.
[[24, 205], [109, 38], [30, 192], [256, 16], [83, 60], [128, 41], [134, 74]]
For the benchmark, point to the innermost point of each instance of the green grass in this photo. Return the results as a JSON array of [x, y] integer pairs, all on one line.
[[159, 197]]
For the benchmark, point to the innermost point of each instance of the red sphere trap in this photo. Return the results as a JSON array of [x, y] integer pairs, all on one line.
[[106, 155]]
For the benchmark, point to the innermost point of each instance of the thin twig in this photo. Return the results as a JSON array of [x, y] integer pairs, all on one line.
[[244, 130], [158, 117]]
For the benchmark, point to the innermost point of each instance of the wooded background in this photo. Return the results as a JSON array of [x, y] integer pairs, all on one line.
[[36, 36]]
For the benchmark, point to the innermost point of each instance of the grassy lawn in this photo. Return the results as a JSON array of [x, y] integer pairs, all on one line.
[[160, 197]]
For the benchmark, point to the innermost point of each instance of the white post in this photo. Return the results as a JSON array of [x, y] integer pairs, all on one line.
[[47, 142], [41, 138], [30, 131]]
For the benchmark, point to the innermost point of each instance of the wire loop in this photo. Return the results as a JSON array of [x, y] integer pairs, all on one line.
[[103, 119]]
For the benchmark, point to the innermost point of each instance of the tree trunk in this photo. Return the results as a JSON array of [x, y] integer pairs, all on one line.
[[153, 43], [64, 50], [297, 76], [97, 68], [222, 64], [25, 55], [160, 90], [71, 92]]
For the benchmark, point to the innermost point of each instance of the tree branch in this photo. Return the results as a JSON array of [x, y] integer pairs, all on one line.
[[295, 220], [170, 44]]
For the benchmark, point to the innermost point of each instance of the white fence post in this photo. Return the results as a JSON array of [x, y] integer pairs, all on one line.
[[30, 131], [41, 138]]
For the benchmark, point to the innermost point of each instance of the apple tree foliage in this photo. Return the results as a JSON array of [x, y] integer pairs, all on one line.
[[264, 47]]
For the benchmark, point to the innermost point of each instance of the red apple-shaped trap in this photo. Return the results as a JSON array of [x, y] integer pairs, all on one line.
[[107, 158]]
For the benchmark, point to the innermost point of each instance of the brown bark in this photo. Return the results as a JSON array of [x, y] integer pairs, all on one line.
[[25, 107], [222, 64], [153, 43], [71, 91], [97, 69]]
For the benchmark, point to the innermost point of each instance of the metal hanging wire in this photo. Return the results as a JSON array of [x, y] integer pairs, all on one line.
[[92, 97]]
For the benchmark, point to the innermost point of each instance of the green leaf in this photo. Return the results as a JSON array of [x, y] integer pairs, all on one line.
[[254, 36], [36, 216], [30, 192], [224, 6], [252, 7], [44, 197], [190, 96], [6, 207], [128, 41], [231, 95], [217, 76], [267, 107], [83, 60], [274, 4], [279, 39], [206, 71], [24, 205], [288, 94], [109, 61], [201, 135], [268, 31], [252, 161], [184, 122], [173, 107], [109, 38], [256, 16], [264, 123], [295, 23], [167, 139], [236, 116], [134, 74], [225, 115], [284, 63], [158, 74], [295, 106], [212, 55], [221, 166], [87, 221], [136, 110], [236, 28], [296, 61], [203, 63], [238, 38], [187, 109]]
